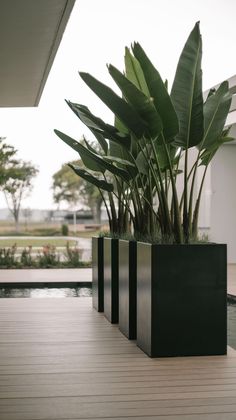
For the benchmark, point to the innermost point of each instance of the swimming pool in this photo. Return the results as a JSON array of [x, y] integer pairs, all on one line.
[[232, 324], [46, 291]]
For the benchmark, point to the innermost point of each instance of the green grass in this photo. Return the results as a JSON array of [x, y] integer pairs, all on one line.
[[87, 233], [35, 242]]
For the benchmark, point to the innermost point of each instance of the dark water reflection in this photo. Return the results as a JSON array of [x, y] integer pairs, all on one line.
[[44, 292], [232, 325]]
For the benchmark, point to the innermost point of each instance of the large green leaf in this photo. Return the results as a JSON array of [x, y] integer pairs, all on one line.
[[98, 127], [142, 104], [86, 155], [130, 167], [123, 157], [116, 104], [101, 140], [143, 164], [208, 154], [120, 126], [91, 160], [88, 145], [165, 155], [144, 157], [89, 177], [89, 119], [216, 109], [114, 149], [134, 146], [120, 161], [186, 93], [134, 72], [158, 92]]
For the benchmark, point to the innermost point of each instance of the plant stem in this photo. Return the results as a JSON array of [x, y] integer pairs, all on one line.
[[190, 209], [168, 228], [150, 164], [178, 232], [185, 194], [197, 206], [106, 206]]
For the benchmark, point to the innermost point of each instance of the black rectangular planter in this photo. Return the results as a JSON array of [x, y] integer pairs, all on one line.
[[111, 287], [182, 299], [128, 288], [97, 274]]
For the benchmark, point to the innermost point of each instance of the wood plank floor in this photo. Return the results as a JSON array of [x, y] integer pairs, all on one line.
[[61, 360]]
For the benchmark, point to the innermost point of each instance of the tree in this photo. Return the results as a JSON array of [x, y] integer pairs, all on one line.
[[92, 198], [65, 186], [70, 188], [18, 185], [6, 159]]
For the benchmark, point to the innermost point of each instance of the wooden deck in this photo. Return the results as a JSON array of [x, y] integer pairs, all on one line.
[[59, 359]]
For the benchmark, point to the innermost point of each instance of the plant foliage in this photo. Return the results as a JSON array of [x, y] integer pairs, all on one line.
[[148, 148]]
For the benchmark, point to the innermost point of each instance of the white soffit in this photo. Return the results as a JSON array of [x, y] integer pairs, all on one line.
[[30, 34]]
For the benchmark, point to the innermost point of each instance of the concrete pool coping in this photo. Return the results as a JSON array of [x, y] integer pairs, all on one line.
[[78, 275], [46, 275]]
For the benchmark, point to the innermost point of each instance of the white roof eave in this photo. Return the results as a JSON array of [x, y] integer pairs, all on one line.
[[30, 34]]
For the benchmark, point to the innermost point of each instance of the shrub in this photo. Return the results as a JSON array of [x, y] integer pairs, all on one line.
[[48, 257], [26, 259], [64, 230], [8, 257], [72, 256]]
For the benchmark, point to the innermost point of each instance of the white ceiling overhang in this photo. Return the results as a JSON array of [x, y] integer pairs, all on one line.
[[30, 34]]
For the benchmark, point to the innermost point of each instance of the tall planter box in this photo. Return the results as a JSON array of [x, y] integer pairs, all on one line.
[[111, 287], [97, 274], [128, 288], [182, 299]]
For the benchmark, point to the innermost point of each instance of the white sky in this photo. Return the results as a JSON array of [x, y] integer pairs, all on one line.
[[96, 34]]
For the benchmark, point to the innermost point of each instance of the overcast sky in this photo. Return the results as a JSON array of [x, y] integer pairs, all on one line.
[[96, 34]]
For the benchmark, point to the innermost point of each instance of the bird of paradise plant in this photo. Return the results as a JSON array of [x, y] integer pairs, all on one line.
[[152, 138]]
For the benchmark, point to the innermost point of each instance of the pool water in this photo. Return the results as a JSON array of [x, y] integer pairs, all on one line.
[[232, 325], [44, 292]]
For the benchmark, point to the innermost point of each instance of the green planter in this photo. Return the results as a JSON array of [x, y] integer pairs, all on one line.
[[111, 287], [182, 299], [97, 274], [128, 288]]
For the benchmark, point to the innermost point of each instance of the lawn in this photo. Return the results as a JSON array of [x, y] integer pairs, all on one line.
[[87, 233], [38, 243], [45, 229]]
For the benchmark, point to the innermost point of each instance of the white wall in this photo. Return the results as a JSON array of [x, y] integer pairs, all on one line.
[[223, 199]]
